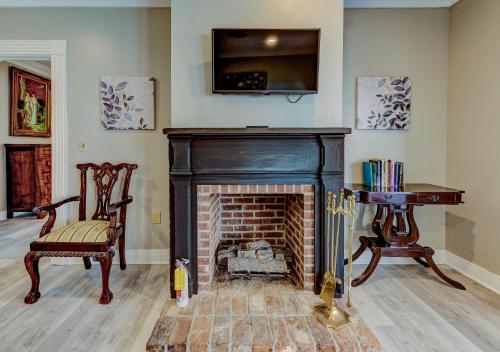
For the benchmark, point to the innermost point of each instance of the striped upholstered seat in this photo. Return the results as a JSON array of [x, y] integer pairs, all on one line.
[[90, 231]]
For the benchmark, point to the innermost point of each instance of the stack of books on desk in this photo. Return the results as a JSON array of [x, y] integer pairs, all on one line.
[[383, 173]]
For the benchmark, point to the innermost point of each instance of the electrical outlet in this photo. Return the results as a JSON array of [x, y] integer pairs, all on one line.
[[156, 217], [81, 147]]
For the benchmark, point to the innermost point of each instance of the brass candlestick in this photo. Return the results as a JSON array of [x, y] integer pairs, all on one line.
[[329, 313]]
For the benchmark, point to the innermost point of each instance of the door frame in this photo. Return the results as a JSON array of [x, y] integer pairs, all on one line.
[[56, 52]]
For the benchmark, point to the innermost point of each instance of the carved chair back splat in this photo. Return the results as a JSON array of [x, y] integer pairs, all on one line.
[[105, 177]]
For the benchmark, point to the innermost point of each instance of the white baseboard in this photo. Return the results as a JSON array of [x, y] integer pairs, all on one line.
[[439, 258], [133, 256], [473, 271], [3, 215], [148, 256]]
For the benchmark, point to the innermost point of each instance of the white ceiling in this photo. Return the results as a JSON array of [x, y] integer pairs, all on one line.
[[45, 63], [84, 3], [39, 67], [166, 3]]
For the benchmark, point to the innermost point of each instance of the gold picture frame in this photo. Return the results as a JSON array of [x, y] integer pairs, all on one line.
[[30, 104]]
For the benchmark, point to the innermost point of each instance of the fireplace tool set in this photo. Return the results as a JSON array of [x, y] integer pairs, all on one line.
[[329, 313]]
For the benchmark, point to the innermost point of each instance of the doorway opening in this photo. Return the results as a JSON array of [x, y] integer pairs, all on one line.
[[53, 54]]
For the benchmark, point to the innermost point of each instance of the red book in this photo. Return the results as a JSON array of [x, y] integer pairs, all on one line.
[[389, 170]]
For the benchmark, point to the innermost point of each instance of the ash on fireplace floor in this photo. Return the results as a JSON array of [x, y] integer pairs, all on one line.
[[223, 277], [256, 261]]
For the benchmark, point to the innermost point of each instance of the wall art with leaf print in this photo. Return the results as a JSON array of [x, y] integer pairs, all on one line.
[[127, 103], [384, 103]]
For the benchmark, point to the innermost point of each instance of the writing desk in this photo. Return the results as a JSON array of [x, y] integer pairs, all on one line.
[[396, 237]]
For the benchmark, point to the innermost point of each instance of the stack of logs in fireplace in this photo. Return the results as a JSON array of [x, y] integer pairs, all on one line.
[[256, 258]]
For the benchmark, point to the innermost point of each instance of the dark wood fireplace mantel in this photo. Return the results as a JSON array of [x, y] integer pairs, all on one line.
[[257, 131], [224, 156]]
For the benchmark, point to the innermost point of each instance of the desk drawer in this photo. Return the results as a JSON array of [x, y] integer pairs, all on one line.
[[387, 198], [437, 198]]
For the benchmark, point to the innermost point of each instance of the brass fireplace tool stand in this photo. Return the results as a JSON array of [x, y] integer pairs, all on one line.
[[329, 313]]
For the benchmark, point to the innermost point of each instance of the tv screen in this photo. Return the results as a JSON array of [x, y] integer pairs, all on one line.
[[265, 61]]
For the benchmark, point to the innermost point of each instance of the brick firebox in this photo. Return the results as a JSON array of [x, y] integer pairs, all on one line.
[[281, 214]]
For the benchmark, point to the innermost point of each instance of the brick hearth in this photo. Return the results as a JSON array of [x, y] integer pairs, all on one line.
[[283, 215], [248, 316]]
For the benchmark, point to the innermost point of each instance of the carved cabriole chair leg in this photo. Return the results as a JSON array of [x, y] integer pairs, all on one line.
[[121, 251], [106, 261], [31, 263], [87, 263]]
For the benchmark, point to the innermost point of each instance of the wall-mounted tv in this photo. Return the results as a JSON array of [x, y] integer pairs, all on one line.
[[265, 61]]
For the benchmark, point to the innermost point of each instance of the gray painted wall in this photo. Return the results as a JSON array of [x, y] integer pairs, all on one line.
[[411, 42], [473, 126], [193, 104], [112, 42], [137, 42]]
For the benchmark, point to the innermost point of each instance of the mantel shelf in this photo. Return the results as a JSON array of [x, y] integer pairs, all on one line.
[[257, 131]]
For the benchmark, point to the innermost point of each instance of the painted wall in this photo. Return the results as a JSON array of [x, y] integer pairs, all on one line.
[[137, 42], [193, 105], [473, 126], [411, 42], [112, 42], [4, 132]]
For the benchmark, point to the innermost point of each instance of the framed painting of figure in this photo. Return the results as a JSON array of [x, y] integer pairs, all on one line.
[[29, 104]]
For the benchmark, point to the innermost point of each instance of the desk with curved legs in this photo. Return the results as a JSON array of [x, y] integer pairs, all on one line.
[[395, 227]]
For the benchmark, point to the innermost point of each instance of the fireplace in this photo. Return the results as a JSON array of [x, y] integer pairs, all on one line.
[[231, 186], [277, 214]]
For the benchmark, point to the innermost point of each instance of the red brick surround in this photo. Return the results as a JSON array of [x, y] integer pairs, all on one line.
[[281, 214], [247, 217]]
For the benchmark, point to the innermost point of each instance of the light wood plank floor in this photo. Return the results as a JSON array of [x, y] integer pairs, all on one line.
[[68, 316], [410, 309], [407, 307]]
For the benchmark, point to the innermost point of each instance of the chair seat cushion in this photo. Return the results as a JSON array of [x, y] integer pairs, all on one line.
[[90, 231]]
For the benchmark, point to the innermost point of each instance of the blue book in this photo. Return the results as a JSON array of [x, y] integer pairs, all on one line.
[[367, 174], [396, 175]]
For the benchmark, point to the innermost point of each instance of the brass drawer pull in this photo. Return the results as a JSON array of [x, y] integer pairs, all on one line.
[[434, 198]]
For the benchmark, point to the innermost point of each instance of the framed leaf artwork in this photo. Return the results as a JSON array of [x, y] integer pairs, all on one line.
[[384, 103], [127, 103], [30, 111]]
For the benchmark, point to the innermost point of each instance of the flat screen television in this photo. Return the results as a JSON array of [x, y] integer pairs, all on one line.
[[265, 61]]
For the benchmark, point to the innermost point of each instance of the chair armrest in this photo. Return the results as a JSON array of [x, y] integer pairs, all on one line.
[[113, 208], [52, 206], [51, 209]]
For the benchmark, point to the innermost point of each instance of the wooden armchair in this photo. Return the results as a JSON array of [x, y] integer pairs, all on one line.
[[93, 238]]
